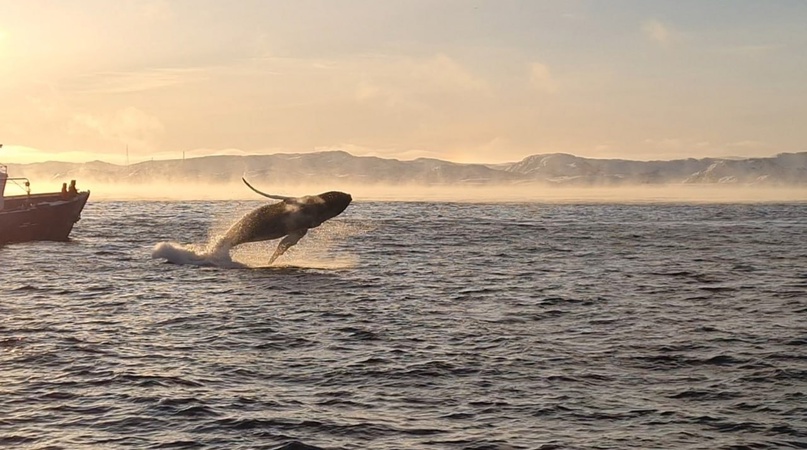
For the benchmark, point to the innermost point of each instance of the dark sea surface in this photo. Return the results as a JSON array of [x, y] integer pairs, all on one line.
[[413, 325]]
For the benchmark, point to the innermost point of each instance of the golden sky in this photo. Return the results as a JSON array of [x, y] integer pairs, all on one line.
[[462, 80]]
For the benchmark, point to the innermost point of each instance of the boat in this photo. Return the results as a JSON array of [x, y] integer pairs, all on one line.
[[38, 217]]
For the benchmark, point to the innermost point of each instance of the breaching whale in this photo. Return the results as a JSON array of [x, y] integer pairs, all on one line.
[[292, 217]]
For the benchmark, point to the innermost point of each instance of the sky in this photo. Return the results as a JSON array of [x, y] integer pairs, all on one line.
[[460, 80]]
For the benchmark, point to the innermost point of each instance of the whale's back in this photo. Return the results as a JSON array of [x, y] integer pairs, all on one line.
[[261, 224]]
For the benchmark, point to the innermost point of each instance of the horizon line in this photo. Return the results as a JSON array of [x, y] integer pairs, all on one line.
[[184, 158]]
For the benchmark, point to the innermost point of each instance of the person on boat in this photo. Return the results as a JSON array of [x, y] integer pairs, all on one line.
[[64, 190], [73, 191]]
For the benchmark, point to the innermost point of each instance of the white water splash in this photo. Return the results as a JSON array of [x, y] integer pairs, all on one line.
[[196, 255], [315, 251]]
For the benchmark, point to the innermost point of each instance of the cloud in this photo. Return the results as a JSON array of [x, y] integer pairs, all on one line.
[[128, 82], [156, 10], [43, 99], [748, 144], [447, 73], [366, 90], [128, 126], [753, 50], [666, 142], [436, 73], [412, 83], [541, 78], [676, 147], [659, 32]]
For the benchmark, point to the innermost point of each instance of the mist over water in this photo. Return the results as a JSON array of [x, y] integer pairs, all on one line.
[[489, 194]]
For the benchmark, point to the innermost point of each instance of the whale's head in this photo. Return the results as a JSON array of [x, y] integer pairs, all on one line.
[[312, 210], [333, 203]]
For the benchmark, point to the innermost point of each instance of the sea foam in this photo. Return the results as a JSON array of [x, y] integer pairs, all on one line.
[[208, 256]]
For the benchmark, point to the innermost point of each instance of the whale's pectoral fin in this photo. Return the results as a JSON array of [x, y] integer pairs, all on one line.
[[287, 242]]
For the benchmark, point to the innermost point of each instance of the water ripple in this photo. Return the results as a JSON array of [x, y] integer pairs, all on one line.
[[413, 325]]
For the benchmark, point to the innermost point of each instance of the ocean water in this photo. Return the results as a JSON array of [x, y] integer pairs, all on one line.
[[412, 325]]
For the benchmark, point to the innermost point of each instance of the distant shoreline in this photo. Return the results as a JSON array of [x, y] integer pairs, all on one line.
[[552, 177]]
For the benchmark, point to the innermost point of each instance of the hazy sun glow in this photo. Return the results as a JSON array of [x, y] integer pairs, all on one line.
[[483, 81]]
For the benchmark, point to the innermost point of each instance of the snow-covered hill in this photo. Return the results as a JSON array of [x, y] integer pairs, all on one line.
[[332, 166], [559, 168]]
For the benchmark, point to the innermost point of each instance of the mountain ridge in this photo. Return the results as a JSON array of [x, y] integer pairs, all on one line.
[[559, 169]]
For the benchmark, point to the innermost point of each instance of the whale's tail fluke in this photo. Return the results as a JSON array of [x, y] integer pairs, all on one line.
[[276, 197]]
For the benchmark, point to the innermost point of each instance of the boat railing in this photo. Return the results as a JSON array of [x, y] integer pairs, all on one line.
[[3, 177], [25, 186]]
